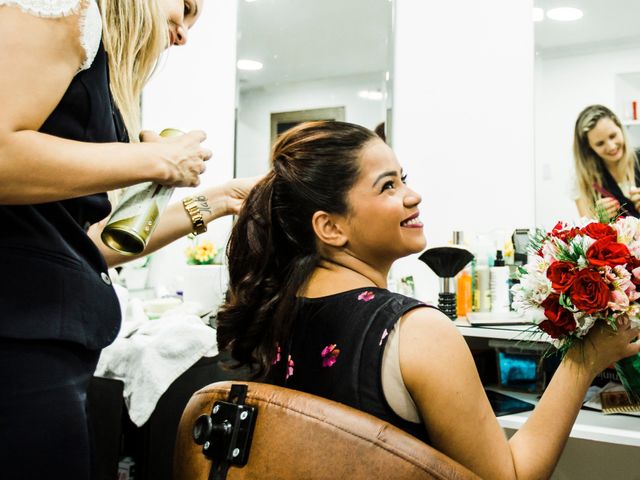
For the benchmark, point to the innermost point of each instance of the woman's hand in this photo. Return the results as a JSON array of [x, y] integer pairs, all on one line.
[[603, 346], [182, 157], [634, 196], [609, 205]]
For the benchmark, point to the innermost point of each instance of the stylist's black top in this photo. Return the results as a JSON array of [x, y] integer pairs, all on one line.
[[53, 280], [337, 346], [608, 183]]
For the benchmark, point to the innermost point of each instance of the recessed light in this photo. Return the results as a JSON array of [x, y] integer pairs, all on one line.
[[565, 14], [371, 94], [251, 65], [538, 14]]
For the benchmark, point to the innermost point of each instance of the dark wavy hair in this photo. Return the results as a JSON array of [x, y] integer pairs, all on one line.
[[272, 250]]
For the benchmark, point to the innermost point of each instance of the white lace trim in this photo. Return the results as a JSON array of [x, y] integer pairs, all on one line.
[[90, 33], [46, 8], [90, 21]]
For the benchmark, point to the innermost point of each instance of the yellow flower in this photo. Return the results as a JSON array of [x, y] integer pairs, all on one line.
[[202, 252]]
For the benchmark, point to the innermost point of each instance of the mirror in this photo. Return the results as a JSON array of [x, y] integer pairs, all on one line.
[[595, 59], [304, 60]]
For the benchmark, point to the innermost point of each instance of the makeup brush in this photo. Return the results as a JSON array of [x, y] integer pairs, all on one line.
[[446, 262]]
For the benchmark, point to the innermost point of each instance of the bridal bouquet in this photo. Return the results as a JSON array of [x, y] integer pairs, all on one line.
[[582, 275]]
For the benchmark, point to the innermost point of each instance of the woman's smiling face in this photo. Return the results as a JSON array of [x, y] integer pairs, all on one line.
[[383, 221], [181, 16], [606, 140]]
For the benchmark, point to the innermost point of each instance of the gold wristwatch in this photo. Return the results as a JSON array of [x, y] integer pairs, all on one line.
[[197, 221]]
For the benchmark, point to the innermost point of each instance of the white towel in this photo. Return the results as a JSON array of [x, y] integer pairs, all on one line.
[[149, 355]]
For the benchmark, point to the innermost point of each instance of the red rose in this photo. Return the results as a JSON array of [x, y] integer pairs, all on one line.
[[607, 252], [599, 230], [563, 234], [561, 275], [588, 292], [560, 320], [632, 264], [551, 329]]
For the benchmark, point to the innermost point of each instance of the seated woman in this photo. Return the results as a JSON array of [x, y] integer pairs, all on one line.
[[607, 169], [308, 307]]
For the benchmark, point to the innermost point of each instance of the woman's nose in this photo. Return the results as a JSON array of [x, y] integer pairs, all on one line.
[[181, 35], [412, 199]]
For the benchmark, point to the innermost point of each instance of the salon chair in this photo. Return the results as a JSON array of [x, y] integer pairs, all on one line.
[[283, 434]]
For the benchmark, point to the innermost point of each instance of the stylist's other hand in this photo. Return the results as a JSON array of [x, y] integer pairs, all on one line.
[[181, 158], [634, 196], [236, 191], [609, 205]]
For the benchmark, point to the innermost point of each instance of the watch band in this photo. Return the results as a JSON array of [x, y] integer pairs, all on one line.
[[197, 221]]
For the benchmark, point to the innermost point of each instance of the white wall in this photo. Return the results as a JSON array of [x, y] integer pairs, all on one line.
[[256, 106], [565, 86], [463, 118], [194, 89]]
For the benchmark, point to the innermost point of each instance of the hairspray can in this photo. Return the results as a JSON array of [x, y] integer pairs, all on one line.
[[135, 217]]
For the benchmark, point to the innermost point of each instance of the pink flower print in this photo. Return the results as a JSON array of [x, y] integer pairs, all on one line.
[[366, 296], [290, 365], [330, 355], [384, 335], [276, 359]]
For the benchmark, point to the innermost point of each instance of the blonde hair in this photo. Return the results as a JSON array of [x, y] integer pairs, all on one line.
[[588, 163], [134, 34]]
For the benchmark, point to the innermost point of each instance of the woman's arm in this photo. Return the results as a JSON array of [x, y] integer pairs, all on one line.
[[39, 58], [214, 202], [439, 372]]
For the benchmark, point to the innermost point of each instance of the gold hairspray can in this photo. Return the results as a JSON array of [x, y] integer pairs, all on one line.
[[135, 217]]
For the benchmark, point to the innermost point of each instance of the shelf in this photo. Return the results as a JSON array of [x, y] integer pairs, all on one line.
[[522, 333], [590, 425]]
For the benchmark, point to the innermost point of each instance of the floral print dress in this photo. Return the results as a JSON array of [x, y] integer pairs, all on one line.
[[336, 349]]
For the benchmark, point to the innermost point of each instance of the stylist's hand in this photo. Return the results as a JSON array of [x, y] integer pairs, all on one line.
[[609, 205], [235, 192], [182, 157], [634, 196]]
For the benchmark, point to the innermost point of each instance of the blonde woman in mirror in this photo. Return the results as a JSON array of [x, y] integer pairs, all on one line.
[[606, 165], [73, 73]]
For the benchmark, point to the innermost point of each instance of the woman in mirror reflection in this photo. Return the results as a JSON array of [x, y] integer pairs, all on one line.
[[607, 169], [70, 95], [309, 308]]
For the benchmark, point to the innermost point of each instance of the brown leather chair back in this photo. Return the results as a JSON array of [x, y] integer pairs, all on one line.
[[301, 436]]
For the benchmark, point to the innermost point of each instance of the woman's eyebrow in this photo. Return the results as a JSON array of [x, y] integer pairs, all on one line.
[[390, 173]]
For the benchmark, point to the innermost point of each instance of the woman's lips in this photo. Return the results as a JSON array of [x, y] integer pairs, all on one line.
[[412, 222]]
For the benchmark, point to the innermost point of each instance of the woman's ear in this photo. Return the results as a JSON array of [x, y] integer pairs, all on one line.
[[328, 230]]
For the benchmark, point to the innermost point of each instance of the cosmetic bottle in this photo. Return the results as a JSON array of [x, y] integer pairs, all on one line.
[[482, 292], [463, 281], [136, 216], [464, 292], [499, 280]]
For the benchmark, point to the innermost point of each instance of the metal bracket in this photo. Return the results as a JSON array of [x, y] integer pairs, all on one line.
[[226, 434]]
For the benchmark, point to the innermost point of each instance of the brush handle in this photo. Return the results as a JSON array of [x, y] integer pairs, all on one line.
[[447, 303]]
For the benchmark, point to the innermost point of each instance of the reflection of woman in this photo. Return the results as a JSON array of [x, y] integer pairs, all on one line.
[[308, 305], [67, 113], [606, 167]]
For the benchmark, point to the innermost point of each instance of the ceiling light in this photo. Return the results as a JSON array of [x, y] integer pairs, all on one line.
[[371, 94], [249, 65], [565, 14], [538, 14]]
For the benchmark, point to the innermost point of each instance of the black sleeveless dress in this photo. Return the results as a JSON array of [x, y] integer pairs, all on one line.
[[337, 346], [57, 305]]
